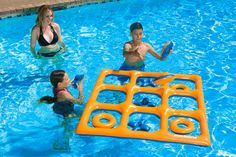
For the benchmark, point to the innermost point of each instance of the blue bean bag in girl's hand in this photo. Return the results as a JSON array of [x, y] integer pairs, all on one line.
[[77, 79]]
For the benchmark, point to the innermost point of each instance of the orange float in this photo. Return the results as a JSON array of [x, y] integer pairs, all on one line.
[[98, 117], [172, 132], [175, 128]]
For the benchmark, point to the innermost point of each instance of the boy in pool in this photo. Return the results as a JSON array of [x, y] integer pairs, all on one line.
[[62, 99], [134, 51]]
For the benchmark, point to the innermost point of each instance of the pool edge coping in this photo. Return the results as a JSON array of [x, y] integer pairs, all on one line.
[[29, 9]]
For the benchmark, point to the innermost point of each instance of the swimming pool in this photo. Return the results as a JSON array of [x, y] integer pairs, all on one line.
[[205, 44]]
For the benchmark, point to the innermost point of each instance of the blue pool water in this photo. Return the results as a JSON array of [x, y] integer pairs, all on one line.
[[205, 44]]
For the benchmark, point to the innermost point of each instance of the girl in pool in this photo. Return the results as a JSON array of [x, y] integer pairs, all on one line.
[[134, 51], [64, 105], [62, 99], [47, 33]]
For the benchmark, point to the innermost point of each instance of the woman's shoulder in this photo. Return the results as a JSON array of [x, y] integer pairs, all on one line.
[[55, 25], [35, 28]]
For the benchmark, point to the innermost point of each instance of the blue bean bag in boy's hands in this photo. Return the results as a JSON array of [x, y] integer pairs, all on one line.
[[77, 79], [166, 49]]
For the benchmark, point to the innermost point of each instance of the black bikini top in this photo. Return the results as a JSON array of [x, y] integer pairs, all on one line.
[[43, 42]]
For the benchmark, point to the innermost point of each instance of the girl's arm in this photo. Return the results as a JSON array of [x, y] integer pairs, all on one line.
[[66, 96], [81, 91]]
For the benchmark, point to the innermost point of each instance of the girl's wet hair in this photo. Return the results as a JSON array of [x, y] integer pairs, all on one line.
[[135, 25], [55, 77]]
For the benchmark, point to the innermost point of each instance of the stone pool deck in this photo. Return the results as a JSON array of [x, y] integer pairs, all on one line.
[[9, 8]]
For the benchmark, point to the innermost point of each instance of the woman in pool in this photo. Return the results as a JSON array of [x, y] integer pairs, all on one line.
[[62, 99], [47, 33]]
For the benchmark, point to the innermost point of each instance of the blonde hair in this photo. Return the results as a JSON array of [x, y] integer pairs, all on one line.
[[41, 13]]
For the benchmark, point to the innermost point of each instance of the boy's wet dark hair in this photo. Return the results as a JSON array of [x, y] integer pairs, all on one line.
[[135, 25]]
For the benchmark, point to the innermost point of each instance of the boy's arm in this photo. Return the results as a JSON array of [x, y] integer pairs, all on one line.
[[153, 52], [127, 50]]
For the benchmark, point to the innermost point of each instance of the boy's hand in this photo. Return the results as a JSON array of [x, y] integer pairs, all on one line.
[[138, 51]]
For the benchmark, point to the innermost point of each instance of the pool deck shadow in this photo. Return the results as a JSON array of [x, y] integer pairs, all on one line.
[[11, 8]]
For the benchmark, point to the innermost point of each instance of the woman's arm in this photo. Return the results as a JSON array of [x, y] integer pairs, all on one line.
[[34, 37], [57, 28]]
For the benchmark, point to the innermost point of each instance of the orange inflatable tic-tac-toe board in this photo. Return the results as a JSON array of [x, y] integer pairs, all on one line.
[[184, 125]]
